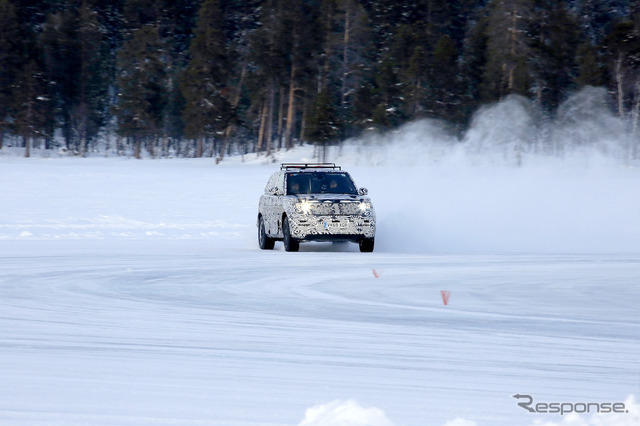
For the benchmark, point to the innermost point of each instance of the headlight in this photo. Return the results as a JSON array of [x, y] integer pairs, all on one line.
[[304, 207], [364, 206]]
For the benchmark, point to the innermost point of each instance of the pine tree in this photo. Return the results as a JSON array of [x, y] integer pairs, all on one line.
[[204, 83], [445, 90], [596, 18], [388, 112], [590, 68], [77, 66], [508, 49], [323, 120], [270, 62], [622, 53], [417, 75], [354, 53], [31, 105], [364, 104], [473, 66], [284, 52], [554, 37], [138, 13], [142, 88], [272, 69], [10, 58], [324, 128], [301, 17]]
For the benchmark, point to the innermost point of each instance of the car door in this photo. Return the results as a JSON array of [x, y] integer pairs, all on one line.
[[271, 203], [278, 205], [266, 203]]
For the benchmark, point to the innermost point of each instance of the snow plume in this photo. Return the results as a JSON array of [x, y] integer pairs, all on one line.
[[502, 131], [456, 208], [414, 144], [512, 132], [585, 122], [516, 181]]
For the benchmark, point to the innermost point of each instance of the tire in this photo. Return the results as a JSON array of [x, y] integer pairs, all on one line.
[[289, 243], [366, 245], [264, 241]]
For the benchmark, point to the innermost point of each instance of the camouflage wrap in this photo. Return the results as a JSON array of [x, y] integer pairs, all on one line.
[[316, 217], [332, 217]]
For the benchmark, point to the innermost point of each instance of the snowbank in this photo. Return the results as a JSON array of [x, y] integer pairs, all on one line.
[[344, 413], [350, 413]]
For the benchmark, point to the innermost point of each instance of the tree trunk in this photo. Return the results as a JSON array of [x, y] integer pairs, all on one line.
[[512, 49], [137, 147], [27, 146], [326, 67], [280, 116], [151, 147], [199, 146], [235, 101], [179, 144], [83, 146], [290, 110], [263, 121], [345, 58], [165, 146], [303, 123], [619, 81], [269, 130], [635, 115]]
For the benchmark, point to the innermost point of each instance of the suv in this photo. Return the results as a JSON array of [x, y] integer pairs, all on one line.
[[314, 202]]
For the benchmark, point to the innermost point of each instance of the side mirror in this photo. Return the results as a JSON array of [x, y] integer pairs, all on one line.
[[273, 191], [363, 191]]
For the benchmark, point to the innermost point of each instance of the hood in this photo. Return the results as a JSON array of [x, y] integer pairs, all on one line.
[[331, 197]]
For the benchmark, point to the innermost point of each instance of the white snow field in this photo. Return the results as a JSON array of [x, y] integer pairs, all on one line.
[[132, 292]]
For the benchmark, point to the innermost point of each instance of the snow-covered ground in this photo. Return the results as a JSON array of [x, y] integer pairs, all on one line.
[[133, 293]]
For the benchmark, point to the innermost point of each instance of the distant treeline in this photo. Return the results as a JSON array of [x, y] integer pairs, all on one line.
[[209, 77]]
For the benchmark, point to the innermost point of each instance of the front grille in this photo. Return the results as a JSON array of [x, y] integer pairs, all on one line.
[[335, 208]]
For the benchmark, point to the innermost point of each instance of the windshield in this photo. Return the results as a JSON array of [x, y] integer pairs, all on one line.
[[320, 183]]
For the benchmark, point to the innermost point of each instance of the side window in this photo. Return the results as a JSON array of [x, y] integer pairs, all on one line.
[[279, 183], [270, 183]]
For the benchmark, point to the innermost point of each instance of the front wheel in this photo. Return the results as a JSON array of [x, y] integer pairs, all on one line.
[[289, 243], [264, 241], [366, 245]]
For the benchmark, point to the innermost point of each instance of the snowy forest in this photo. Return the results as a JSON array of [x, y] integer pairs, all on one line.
[[194, 78]]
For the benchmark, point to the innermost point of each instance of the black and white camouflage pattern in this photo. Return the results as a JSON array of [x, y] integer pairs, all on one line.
[[316, 216]]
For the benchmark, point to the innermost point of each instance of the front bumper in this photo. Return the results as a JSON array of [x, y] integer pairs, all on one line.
[[332, 228]]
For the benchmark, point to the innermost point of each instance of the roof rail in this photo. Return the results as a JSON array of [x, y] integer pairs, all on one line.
[[290, 166]]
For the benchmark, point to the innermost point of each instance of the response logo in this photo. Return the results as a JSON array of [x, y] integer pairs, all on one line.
[[562, 408]]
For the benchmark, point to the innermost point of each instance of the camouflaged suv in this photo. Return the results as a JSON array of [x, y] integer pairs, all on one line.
[[314, 202]]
